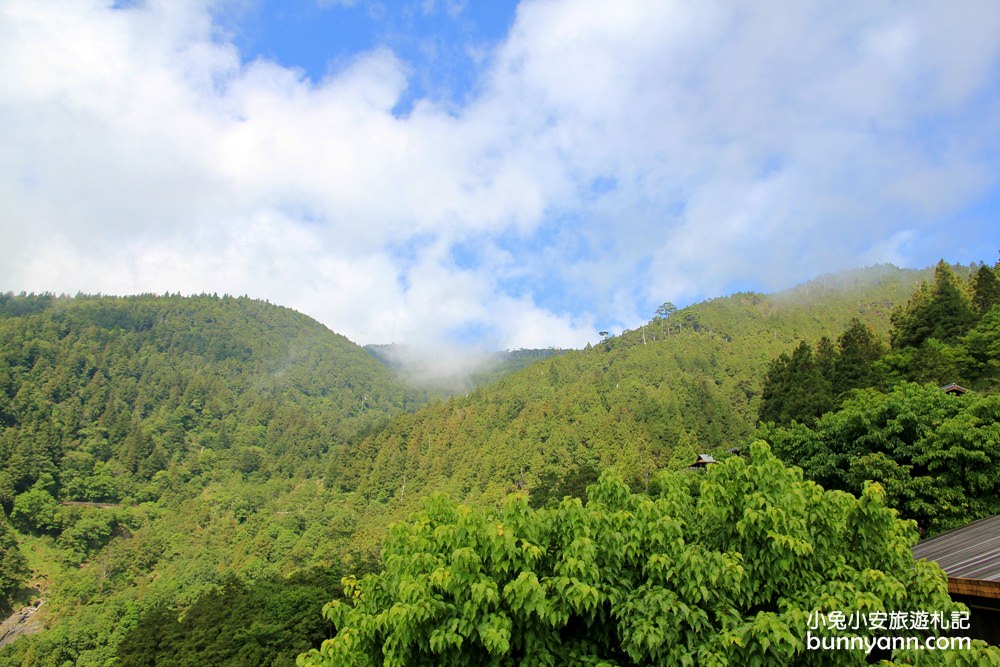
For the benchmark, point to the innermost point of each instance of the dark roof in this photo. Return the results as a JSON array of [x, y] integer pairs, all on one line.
[[970, 552], [953, 389]]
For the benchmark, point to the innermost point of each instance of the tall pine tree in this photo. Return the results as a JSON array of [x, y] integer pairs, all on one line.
[[859, 348], [986, 288], [942, 311]]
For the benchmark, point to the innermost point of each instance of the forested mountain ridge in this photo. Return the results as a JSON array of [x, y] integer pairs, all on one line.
[[147, 382], [628, 576], [253, 458], [919, 415], [195, 428], [688, 381]]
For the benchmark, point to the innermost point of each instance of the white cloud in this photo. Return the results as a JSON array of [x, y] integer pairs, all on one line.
[[621, 154]]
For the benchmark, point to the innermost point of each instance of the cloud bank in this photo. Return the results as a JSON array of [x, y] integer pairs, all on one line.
[[609, 158]]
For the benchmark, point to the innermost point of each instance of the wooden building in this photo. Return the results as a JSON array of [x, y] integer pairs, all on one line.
[[970, 556], [703, 461]]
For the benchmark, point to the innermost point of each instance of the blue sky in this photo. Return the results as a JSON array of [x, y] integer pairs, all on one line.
[[446, 43], [462, 175]]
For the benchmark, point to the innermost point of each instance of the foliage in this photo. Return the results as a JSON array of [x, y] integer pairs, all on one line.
[[35, 510], [713, 568], [13, 566], [687, 382], [159, 444], [985, 288], [104, 393], [936, 455], [231, 442], [796, 388], [942, 310], [264, 623], [805, 385], [946, 333]]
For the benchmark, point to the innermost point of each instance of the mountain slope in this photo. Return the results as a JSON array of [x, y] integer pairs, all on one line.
[[161, 450], [139, 384], [644, 400], [228, 436]]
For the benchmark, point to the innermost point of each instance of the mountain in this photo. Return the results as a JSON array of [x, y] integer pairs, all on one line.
[[187, 477], [647, 399], [137, 385], [156, 449]]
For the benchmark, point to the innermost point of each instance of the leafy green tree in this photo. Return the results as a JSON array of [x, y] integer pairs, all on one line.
[[36, 510], [715, 568], [937, 456], [86, 531]]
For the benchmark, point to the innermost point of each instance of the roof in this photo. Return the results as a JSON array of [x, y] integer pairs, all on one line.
[[953, 389], [703, 461], [968, 554]]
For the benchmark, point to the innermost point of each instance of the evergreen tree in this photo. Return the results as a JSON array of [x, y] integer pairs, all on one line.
[[826, 358], [942, 311], [777, 385], [796, 388], [13, 566], [858, 348], [986, 288]]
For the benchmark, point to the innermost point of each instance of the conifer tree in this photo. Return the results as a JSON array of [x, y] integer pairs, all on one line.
[[986, 288], [859, 348], [942, 311], [796, 388]]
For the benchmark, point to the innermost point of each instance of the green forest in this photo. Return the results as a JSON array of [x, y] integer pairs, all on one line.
[[220, 480]]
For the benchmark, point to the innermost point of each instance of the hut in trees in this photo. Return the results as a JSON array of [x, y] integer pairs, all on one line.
[[704, 460]]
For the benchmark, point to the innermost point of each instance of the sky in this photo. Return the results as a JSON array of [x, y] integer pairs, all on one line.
[[496, 174]]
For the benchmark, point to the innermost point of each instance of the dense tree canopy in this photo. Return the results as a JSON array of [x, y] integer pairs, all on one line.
[[154, 448], [13, 567], [653, 398], [172, 466], [936, 455], [715, 568], [946, 333]]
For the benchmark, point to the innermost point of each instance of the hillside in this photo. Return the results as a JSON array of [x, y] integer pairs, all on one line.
[[147, 383], [156, 448], [621, 575], [647, 399], [245, 457]]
